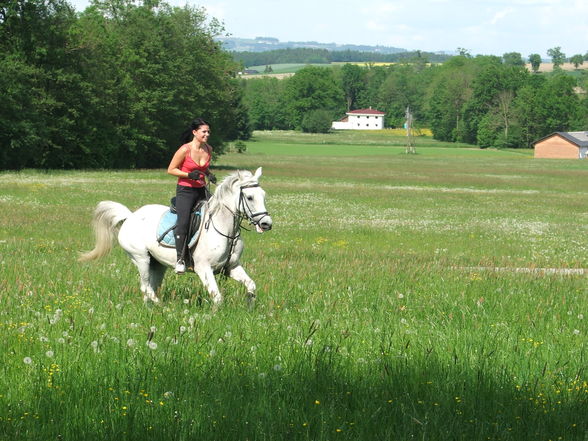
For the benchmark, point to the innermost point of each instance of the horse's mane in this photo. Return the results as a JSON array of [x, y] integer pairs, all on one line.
[[225, 188]]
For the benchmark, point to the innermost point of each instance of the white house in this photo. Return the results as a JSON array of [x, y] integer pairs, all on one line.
[[361, 119]]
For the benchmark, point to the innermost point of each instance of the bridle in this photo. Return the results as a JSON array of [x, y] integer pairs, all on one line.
[[243, 212]]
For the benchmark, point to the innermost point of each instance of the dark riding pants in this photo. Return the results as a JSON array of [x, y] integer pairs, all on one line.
[[186, 199]]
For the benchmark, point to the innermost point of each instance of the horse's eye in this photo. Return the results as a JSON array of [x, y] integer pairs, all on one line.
[[249, 198]]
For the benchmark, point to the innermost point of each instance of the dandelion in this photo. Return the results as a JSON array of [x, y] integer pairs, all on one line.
[[61, 340], [27, 360], [131, 342], [43, 339], [581, 316], [186, 301], [277, 367], [153, 329], [152, 345], [576, 332], [91, 310], [182, 329], [262, 375], [317, 402], [168, 394], [49, 354], [400, 295]]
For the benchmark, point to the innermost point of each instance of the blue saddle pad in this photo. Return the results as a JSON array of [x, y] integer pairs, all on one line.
[[166, 226]]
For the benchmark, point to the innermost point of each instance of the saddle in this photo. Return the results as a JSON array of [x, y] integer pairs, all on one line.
[[169, 219]]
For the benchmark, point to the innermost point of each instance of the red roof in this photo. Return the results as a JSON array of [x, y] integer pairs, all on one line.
[[369, 111]]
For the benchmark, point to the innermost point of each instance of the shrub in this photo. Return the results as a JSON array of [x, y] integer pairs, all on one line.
[[317, 121]]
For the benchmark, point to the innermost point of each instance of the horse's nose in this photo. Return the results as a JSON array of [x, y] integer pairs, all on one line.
[[266, 224]]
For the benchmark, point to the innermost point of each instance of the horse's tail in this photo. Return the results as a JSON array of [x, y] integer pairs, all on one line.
[[107, 218]]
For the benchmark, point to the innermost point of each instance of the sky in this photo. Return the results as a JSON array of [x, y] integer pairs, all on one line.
[[488, 27]]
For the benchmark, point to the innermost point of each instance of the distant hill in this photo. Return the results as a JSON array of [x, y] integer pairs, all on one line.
[[264, 44]]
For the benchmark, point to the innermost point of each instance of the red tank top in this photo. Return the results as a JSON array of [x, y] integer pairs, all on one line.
[[188, 166]]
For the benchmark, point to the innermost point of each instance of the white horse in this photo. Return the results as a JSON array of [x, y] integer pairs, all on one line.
[[219, 246]]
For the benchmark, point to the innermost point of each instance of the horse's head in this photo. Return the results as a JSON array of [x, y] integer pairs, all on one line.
[[251, 202], [246, 197]]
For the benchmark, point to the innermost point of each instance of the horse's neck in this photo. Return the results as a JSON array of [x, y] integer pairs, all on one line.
[[225, 219]]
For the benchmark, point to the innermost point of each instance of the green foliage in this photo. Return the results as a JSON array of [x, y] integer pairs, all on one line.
[[112, 87], [312, 88], [535, 60], [317, 121], [577, 60], [513, 59], [557, 56]]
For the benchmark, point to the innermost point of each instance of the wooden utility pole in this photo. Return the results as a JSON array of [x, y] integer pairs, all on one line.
[[409, 139]]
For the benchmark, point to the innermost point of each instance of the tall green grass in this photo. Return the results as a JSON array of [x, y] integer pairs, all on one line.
[[399, 297]]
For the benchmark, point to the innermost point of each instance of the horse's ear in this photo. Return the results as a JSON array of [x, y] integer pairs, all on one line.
[[257, 174]]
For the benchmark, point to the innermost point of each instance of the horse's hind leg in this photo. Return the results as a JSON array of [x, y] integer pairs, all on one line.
[[143, 264], [156, 274]]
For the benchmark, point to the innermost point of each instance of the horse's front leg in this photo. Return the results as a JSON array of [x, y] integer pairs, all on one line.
[[238, 273], [207, 277]]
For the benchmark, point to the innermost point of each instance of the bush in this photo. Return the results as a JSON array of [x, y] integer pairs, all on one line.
[[317, 121]]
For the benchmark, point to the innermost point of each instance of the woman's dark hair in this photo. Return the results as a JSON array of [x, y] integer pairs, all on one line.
[[187, 135]]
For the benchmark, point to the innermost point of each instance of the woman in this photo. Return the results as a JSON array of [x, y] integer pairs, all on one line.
[[190, 164]]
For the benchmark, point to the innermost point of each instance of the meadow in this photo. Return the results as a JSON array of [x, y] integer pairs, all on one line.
[[436, 296]]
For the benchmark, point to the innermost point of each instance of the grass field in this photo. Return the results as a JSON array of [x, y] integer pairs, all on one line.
[[426, 297]]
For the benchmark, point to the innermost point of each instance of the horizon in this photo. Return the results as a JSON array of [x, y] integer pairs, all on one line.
[[481, 27]]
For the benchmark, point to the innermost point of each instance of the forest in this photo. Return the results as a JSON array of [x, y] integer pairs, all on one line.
[[489, 101], [113, 86]]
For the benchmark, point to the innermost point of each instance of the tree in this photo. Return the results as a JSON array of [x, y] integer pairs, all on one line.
[[535, 60], [513, 59], [312, 88], [317, 121], [577, 60], [557, 56], [264, 100], [353, 82]]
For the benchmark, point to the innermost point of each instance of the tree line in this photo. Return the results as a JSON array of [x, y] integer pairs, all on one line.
[[485, 100], [111, 87], [325, 56]]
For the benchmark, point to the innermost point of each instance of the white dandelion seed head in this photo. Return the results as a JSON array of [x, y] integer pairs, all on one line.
[[65, 333], [277, 367], [212, 353], [131, 342], [91, 310], [61, 340], [153, 329], [43, 339], [581, 316], [186, 311], [27, 360], [49, 354], [168, 394], [228, 334], [400, 295], [262, 375], [182, 329], [152, 345], [186, 301], [576, 332]]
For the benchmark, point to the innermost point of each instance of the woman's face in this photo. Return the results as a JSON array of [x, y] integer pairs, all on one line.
[[202, 133]]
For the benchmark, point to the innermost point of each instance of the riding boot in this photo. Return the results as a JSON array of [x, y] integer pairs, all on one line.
[[180, 252]]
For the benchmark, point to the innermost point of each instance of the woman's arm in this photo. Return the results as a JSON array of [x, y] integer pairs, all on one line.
[[176, 162]]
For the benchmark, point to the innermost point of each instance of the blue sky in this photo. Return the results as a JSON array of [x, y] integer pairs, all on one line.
[[480, 26]]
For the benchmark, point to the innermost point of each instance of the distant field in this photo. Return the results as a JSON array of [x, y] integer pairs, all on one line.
[[285, 70]]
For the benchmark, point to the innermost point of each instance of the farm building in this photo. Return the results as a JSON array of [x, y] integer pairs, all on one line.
[[361, 119], [563, 145]]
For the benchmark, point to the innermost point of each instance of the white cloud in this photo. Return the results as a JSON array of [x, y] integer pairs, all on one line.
[[500, 15]]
